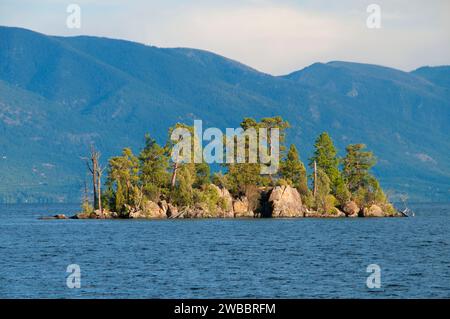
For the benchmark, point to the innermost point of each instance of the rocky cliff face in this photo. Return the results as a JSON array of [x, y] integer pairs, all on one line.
[[241, 208]]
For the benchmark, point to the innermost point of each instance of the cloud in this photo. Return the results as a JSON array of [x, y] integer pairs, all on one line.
[[273, 36], [270, 38]]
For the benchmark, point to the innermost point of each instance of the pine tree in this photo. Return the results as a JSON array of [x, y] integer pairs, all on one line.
[[325, 155], [119, 198], [324, 201], [293, 170], [183, 193], [201, 170], [202, 175], [341, 192], [241, 176], [154, 164], [123, 178], [357, 164]]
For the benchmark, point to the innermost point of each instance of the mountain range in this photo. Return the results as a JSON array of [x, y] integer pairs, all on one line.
[[60, 94]]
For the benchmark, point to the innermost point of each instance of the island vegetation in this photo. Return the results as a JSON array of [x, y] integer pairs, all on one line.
[[151, 185]]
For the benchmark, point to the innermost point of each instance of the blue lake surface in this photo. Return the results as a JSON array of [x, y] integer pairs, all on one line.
[[292, 258]]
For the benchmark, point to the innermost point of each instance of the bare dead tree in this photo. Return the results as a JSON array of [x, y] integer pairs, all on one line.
[[93, 165], [174, 175], [100, 171]]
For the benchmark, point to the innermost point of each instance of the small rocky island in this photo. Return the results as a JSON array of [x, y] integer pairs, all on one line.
[[151, 186], [277, 202]]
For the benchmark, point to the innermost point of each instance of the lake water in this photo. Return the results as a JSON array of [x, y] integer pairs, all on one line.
[[294, 258]]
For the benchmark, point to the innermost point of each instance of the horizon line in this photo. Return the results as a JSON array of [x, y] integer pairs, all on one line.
[[220, 55]]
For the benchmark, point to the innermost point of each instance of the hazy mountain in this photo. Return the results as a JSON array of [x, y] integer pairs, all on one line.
[[437, 75], [59, 94]]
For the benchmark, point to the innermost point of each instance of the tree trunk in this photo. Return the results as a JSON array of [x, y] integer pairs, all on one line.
[[99, 189], [94, 168], [315, 178], [94, 183], [174, 175]]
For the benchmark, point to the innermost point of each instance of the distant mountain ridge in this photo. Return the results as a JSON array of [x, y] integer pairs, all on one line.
[[58, 94]]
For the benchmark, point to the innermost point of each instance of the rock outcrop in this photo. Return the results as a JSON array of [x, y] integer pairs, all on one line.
[[351, 209], [373, 211], [226, 211], [277, 202], [241, 208], [285, 201], [149, 210], [172, 211], [337, 213]]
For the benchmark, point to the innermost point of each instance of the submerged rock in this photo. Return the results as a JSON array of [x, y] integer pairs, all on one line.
[[81, 216], [59, 216]]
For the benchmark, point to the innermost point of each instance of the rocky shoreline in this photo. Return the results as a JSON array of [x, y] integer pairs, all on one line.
[[276, 202]]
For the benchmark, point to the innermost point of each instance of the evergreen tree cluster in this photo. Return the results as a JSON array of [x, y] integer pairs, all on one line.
[[152, 176]]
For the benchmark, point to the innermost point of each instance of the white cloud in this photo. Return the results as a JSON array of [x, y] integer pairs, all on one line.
[[273, 36]]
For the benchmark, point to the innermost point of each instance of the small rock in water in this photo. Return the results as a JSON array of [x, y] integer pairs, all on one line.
[[59, 216]]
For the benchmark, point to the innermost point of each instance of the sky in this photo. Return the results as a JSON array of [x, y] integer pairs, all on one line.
[[276, 37]]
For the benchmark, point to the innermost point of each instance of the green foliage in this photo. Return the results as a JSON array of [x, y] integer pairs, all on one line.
[[202, 175], [374, 192], [330, 204], [123, 177], [370, 193], [293, 171], [308, 199], [364, 186], [86, 207], [284, 182], [132, 180], [357, 164], [325, 156], [389, 209], [209, 196], [241, 176], [220, 180], [323, 190], [359, 197], [201, 81], [341, 192], [119, 199], [154, 176], [183, 193]]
